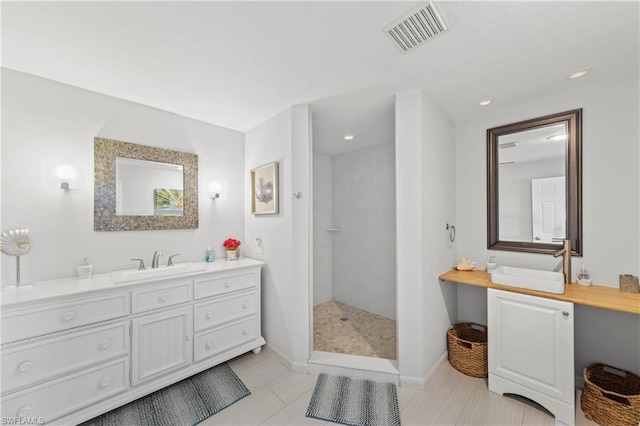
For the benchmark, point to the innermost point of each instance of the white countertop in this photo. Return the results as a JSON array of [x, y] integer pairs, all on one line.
[[71, 286]]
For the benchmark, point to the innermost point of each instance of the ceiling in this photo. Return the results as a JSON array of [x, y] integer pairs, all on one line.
[[237, 64]]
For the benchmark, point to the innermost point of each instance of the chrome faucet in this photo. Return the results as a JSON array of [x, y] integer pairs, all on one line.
[[156, 257], [565, 251]]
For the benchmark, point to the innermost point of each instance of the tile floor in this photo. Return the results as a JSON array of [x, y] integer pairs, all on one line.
[[341, 328], [280, 397]]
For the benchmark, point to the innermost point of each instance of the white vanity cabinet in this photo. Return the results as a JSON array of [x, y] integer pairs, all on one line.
[[530, 350], [74, 349], [160, 343]]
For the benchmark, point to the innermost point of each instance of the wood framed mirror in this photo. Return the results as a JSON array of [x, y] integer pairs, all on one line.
[[534, 184]]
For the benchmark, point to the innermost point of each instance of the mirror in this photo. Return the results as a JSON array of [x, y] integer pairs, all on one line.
[[148, 188], [534, 184], [140, 187]]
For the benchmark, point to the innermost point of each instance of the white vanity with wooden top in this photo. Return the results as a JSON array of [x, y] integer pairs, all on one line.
[[75, 348], [531, 346]]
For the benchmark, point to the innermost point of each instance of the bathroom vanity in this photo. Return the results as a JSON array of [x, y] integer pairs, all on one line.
[[75, 348], [531, 341]]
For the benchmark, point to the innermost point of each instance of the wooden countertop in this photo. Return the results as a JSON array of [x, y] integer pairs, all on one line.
[[594, 295]]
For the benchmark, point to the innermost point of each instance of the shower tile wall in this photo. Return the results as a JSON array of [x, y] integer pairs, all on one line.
[[322, 219], [364, 252]]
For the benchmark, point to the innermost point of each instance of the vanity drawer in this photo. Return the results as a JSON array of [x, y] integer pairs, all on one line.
[[214, 342], [68, 394], [25, 323], [205, 287], [160, 297], [25, 365], [225, 309]]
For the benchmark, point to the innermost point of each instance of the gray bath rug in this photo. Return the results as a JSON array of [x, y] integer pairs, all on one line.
[[354, 402], [185, 403]]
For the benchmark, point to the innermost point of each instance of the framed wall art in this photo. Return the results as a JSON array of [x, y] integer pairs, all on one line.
[[264, 189]]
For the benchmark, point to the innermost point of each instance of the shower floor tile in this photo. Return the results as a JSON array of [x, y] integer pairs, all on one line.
[[341, 328]]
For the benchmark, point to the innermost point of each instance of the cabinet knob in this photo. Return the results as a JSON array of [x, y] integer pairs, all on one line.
[[227, 284], [189, 336], [209, 344], [24, 411], [164, 297], [245, 331], [565, 314], [245, 305], [25, 366], [68, 316], [209, 315], [105, 344], [106, 381]]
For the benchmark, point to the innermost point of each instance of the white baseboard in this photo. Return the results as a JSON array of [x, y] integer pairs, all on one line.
[[436, 367], [408, 382], [282, 358], [300, 367]]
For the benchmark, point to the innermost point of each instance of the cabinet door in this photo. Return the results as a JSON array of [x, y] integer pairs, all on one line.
[[161, 342], [530, 342]]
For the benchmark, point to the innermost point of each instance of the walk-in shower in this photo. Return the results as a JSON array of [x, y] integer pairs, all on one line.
[[354, 230]]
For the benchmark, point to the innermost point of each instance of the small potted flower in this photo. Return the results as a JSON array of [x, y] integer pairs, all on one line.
[[232, 246]]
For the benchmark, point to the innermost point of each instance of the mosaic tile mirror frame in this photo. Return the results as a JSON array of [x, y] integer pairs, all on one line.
[[106, 151]]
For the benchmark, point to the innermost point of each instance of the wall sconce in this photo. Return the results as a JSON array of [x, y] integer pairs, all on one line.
[[64, 175], [217, 188]]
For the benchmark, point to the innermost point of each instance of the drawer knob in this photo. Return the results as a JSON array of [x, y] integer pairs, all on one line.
[[245, 305], [209, 315], [209, 344], [24, 411], [565, 314], [189, 336], [24, 366], [245, 331], [227, 284], [164, 297], [106, 381], [68, 316], [105, 344]]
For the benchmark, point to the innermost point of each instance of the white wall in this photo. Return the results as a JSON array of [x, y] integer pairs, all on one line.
[[322, 219], [44, 120], [425, 189], [439, 299], [610, 205], [286, 236], [364, 208]]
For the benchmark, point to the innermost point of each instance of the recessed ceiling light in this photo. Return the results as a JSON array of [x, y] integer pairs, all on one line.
[[348, 136], [485, 102], [577, 74]]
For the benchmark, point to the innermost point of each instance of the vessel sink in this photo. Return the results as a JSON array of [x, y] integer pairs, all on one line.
[[129, 275], [532, 279]]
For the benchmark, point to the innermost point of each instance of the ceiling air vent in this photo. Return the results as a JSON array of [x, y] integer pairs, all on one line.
[[507, 145], [418, 26]]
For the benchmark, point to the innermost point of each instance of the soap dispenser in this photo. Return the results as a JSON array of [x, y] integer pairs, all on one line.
[[84, 269], [583, 277], [210, 255]]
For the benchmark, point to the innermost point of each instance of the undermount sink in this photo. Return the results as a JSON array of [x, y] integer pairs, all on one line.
[[129, 275], [532, 279]]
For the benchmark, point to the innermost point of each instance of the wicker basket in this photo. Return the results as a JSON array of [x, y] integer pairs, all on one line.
[[467, 346], [611, 396]]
